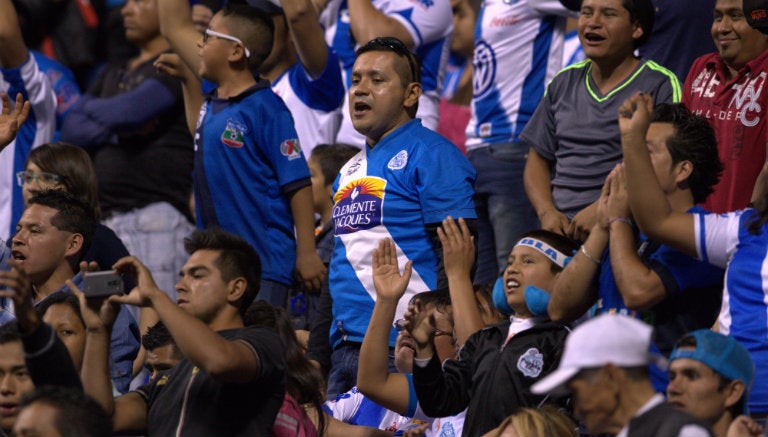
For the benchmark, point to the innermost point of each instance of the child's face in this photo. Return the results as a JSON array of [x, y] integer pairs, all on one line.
[[526, 266], [405, 349], [321, 192], [214, 51]]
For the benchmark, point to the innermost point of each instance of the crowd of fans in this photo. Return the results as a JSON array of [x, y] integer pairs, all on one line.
[[383, 217]]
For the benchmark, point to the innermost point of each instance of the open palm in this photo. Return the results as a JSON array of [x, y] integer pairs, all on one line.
[[387, 280]]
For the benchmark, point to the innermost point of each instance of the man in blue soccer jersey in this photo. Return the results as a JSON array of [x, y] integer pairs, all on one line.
[[400, 186]]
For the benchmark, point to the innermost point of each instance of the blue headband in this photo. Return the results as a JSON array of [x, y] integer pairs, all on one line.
[[550, 252]]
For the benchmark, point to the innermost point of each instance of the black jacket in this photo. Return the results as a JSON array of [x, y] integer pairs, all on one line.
[[490, 378]]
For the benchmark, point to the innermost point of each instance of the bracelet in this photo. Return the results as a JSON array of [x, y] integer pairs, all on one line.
[[620, 220], [589, 257]]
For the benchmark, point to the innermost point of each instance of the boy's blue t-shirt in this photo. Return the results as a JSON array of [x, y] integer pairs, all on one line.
[[248, 162]]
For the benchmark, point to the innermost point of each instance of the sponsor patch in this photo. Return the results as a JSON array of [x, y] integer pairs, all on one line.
[[234, 133], [358, 205], [531, 363], [291, 149], [398, 161]]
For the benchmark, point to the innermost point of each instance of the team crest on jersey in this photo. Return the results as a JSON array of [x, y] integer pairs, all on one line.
[[398, 161], [291, 149], [234, 134], [531, 363], [358, 205], [483, 69]]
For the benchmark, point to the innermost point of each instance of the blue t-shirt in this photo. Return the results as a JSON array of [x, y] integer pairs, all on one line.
[[411, 178], [247, 163]]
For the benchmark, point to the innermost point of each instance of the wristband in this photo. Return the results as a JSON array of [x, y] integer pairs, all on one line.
[[620, 220], [589, 257]]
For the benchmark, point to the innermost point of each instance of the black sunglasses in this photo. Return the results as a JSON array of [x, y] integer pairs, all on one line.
[[399, 48]]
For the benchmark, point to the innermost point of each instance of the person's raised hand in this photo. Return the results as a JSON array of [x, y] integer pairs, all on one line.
[[11, 120], [458, 246], [387, 280]]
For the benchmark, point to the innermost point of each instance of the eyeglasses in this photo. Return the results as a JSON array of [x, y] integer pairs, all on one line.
[[27, 177], [399, 48], [208, 33]]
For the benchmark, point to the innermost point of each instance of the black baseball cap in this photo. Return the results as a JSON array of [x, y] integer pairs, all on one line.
[[756, 12]]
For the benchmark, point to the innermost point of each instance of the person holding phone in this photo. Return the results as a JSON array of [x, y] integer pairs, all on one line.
[[51, 238]]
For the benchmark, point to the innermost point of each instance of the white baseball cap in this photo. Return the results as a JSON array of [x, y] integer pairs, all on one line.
[[609, 338]]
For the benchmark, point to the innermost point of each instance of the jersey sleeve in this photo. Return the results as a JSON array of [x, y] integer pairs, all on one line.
[[425, 20], [35, 87], [668, 89], [717, 236], [279, 143], [679, 272], [445, 181], [324, 93]]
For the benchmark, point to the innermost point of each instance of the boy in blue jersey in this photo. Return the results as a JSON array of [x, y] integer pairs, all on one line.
[[250, 176], [400, 186]]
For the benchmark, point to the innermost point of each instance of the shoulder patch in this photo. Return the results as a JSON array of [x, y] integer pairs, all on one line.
[[531, 363], [398, 161], [291, 149]]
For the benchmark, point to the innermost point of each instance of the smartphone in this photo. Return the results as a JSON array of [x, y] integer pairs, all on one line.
[[102, 284]]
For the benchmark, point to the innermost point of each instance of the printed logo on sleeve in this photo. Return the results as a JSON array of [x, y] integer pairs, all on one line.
[[358, 206], [531, 363], [291, 149], [234, 134]]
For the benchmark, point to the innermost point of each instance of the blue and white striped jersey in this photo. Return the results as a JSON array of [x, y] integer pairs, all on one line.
[[725, 241], [32, 83], [518, 50]]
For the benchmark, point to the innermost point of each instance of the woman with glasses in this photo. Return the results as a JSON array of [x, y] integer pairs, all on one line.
[[63, 166]]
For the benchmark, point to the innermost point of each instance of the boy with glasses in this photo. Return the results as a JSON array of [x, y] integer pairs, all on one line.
[[301, 69], [250, 175]]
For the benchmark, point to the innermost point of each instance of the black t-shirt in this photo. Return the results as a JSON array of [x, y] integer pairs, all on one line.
[[188, 400], [150, 164]]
